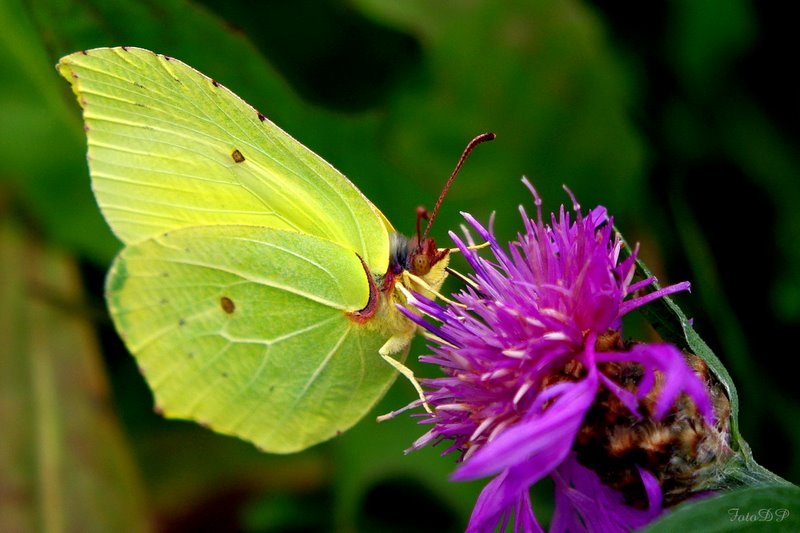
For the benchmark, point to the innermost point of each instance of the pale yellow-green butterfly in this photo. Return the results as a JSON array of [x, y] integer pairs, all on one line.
[[257, 285]]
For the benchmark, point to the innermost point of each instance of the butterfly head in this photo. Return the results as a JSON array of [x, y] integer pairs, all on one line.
[[416, 256], [423, 255]]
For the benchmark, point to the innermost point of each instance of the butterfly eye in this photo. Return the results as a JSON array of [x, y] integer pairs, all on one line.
[[421, 264]]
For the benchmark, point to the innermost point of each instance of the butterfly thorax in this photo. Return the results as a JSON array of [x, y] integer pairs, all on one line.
[[420, 269]]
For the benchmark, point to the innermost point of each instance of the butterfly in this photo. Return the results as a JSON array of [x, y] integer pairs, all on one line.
[[257, 285]]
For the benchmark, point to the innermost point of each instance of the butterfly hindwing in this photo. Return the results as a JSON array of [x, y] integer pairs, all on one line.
[[246, 330]]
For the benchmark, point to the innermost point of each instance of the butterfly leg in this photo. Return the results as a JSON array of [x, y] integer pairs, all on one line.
[[393, 345]]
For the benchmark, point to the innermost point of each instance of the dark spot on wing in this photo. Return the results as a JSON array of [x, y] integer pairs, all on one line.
[[227, 305], [190, 355], [261, 117], [215, 83], [163, 301], [237, 156], [158, 409], [165, 274], [224, 374], [181, 322], [167, 58], [84, 52]]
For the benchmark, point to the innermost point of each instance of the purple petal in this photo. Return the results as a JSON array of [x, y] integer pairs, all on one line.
[[653, 490], [426, 325], [627, 398], [497, 502], [524, 519], [641, 284], [585, 504], [678, 376], [541, 442], [633, 303]]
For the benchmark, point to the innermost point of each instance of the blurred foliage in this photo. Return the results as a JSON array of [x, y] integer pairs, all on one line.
[[680, 117], [63, 459], [752, 509]]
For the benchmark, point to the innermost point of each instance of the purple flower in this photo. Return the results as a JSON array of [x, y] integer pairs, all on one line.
[[538, 381]]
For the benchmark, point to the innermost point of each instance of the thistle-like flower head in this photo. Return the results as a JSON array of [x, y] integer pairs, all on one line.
[[532, 355]]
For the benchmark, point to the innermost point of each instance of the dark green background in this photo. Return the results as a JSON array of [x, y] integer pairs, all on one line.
[[682, 118]]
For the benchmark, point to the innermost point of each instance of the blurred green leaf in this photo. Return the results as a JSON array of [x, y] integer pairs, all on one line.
[[705, 38], [731, 129], [772, 160], [774, 508], [542, 76], [371, 453], [41, 141], [189, 470], [64, 464]]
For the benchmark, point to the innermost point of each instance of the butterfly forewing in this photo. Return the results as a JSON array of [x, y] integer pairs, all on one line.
[[171, 148]]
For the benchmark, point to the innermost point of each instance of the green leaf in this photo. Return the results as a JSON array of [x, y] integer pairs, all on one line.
[[64, 464], [771, 508], [371, 454], [543, 76], [42, 151]]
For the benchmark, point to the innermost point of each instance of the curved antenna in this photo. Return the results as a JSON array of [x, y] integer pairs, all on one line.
[[483, 137]]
